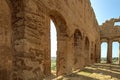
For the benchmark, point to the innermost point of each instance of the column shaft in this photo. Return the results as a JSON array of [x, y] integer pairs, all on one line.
[[109, 52], [99, 55]]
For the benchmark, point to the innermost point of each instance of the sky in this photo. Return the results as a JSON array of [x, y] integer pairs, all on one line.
[[104, 10], [115, 49], [53, 39]]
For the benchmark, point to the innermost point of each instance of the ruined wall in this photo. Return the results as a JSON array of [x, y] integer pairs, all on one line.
[[30, 38], [110, 32]]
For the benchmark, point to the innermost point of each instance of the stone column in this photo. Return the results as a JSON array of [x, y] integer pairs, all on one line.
[[29, 42], [119, 53], [99, 53], [109, 52], [83, 51]]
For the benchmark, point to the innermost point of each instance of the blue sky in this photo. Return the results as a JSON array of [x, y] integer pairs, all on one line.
[[115, 49], [104, 10]]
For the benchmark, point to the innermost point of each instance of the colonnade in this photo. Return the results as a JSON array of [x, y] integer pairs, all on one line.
[[109, 51]]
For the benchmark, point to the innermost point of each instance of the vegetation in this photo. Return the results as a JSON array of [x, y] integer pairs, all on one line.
[[53, 63], [114, 60], [103, 60]]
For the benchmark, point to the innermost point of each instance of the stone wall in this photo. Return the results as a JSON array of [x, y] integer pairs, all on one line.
[[109, 32], [5, 41], [29, 36]]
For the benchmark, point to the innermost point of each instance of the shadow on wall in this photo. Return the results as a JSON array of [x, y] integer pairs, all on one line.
[[5, 63]]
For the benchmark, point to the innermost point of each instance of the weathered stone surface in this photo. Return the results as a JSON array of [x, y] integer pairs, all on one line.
[[25, 33], [5, 63], [109, 31]]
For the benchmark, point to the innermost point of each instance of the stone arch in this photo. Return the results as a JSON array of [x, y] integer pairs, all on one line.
[[77, 49], [60, 23], [86, 49], [62, 38]]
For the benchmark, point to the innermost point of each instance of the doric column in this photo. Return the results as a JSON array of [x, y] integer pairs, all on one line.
[[99, 53], [109, 52]]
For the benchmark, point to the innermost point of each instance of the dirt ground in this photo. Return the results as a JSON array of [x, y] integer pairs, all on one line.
[[94, 72]]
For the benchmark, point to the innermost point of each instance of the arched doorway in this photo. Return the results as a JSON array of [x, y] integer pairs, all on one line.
[[53, 36], [77, 50], [62, 37]]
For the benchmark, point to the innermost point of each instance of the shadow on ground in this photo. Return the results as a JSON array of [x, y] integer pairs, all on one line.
[[94, 72]]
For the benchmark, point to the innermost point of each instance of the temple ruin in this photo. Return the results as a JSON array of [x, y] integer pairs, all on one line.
[[110, 32], [25, 37]]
